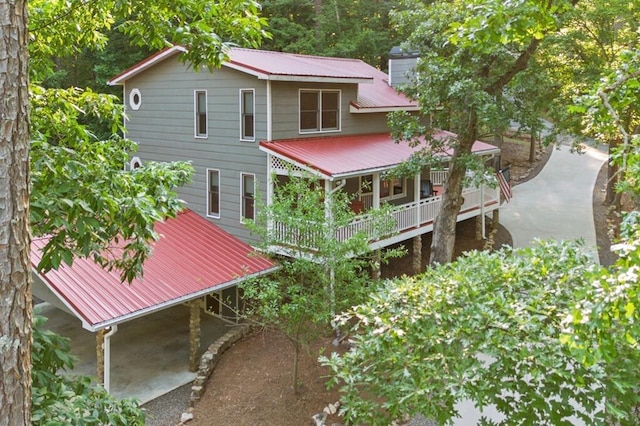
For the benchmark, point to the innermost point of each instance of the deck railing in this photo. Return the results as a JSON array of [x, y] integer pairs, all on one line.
[[399, 218]]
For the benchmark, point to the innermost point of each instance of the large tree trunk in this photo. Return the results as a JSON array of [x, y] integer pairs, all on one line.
[[444, 227], [15, 271]]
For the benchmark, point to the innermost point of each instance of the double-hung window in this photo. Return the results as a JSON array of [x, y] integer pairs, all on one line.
[[213, 193], [319, 111], [248, 194], [200, 109], [247, 115]]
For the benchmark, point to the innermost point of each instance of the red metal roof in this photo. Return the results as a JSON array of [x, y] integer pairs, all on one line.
[[285, 65], [341, 156], [193, 257], [374, 92]]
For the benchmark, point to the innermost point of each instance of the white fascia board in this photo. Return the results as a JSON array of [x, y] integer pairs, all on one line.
[[365, 110], [174, 302], [316, 79], [144, 65]]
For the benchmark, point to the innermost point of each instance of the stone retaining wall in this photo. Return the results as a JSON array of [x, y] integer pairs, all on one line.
[[208, 363]]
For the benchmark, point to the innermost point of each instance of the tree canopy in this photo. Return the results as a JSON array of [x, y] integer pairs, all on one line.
[[83, 201]]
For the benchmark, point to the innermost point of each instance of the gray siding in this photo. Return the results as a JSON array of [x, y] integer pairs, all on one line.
[[285, 112], [164, 128], [400, 69]]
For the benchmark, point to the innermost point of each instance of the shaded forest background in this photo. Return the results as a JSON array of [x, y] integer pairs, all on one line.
[[340, 28]]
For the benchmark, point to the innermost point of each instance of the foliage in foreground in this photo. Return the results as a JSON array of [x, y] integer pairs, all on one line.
[[320, 275], [60, 399], [485, 328]]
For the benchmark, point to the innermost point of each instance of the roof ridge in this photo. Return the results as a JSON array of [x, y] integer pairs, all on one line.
[[300, 55]]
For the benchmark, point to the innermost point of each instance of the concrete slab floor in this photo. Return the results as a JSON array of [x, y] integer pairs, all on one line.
[[149, 356]]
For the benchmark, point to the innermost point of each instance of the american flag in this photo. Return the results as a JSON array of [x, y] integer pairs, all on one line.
[[505, 187]]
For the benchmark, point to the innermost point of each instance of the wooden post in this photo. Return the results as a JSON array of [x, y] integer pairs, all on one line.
[[100, 356], [478, 228], [194, 333], [417, 254], [375, 271], [496, 219]]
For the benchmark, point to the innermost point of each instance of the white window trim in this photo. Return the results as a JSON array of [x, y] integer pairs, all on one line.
[[242, 138], [195, 113], [209, 214], [308, 132], [242, 175], [403, 194], [132, 95], [135, 163]]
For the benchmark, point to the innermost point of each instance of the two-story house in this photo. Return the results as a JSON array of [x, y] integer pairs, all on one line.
[[267, 113]]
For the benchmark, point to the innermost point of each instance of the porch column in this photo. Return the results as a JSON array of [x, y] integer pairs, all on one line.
[[376, 190], [377, 261], [100, 356], [416, 197], [194, 333], [496, 219], [417, 254]]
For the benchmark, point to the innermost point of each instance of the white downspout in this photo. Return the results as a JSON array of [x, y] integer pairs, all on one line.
[[107, 355], [269, 112], [482, 210], [416, 197]]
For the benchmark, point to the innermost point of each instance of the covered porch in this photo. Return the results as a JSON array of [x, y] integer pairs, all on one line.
[[357, 166]]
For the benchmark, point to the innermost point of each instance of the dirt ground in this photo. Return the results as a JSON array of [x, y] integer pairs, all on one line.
[[252, 383]]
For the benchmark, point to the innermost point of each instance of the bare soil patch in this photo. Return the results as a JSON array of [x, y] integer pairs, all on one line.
[[252, 383]]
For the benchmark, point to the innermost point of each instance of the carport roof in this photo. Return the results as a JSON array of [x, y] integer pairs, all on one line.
[[193, 257], [347, 156]]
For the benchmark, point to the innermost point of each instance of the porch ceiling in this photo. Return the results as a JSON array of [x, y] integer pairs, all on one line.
[[354, 155], [193, 257]]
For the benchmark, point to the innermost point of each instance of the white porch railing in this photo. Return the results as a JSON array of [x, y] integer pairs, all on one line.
[[438, 177], [402, 217]]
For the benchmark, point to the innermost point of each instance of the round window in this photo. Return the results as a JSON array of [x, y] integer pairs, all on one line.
[[135, 99]]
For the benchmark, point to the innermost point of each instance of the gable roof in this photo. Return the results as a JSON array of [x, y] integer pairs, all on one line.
[[374, 92], [193, 257], [345, 156]]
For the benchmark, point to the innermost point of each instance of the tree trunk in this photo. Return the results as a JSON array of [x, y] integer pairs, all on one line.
[[296, 355], [444, 226], [532, 146], [15, 267], [612, 175]]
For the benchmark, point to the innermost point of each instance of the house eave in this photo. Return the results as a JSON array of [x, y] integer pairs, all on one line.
[[174, 302], [132, 72], [366, 110]]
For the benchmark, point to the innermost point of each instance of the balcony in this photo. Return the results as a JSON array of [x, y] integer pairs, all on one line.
[[405, 220]]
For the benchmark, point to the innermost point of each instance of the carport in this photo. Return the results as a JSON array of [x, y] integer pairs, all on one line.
[[192, 259]]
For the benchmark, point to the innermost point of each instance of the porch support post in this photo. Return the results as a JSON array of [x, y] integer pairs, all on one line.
[[416, 198], [376, 190], [479, 226], [194, 333], [483, 236], [100, 356], [417, 254], [377, 261], [496, 219]]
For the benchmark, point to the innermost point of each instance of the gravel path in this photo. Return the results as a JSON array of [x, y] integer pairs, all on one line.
[[167, 409]]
